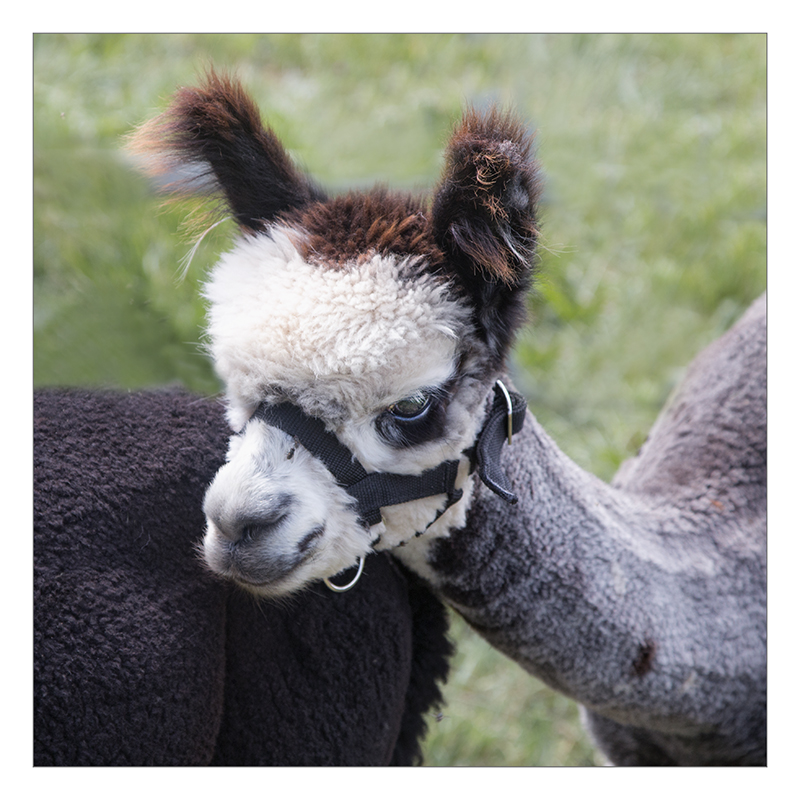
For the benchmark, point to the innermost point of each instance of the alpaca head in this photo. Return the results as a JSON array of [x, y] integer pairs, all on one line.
[[384, 317]]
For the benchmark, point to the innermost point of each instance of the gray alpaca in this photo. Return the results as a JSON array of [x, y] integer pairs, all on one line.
[[363, 342], [644, 600]]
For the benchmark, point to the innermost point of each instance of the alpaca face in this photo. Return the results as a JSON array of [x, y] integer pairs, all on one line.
[[383, 353], [385, 316]]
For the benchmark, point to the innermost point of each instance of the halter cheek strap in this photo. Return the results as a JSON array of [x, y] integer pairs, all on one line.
[[506, 417], [375, 490]]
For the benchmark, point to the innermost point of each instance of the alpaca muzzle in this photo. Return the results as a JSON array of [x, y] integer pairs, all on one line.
[[375, 490]]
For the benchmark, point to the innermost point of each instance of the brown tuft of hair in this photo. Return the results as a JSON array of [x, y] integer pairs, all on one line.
[[211, 140], [485, 208], [353, 226], [484, 219]]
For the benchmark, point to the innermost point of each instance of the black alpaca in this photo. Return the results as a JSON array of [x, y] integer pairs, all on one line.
[[143, 657]]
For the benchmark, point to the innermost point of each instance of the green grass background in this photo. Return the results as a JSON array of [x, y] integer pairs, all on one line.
[[653, 152]]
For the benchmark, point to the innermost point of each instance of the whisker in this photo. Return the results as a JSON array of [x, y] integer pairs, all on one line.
[[186, 261]]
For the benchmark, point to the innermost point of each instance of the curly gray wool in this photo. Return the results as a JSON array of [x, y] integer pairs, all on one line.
[[644, 600]]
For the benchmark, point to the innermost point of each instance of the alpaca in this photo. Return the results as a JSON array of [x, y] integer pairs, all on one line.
[[362, 340], [144, 657]]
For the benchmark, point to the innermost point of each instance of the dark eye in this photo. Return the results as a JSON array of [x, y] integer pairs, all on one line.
[[413, 407], [415, 419]]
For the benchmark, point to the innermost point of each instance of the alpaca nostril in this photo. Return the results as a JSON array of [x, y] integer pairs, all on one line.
[[253, 531], [254, 524]]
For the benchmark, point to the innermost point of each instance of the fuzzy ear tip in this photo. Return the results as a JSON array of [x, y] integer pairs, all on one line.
[[491, 149], [485, 205], [495, 128]]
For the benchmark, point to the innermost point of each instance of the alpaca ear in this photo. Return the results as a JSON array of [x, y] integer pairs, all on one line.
[[484, 220], [213, 140]]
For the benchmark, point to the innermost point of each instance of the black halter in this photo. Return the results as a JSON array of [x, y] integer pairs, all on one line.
[[374, 490]]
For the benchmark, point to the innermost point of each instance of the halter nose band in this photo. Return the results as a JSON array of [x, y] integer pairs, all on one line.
[[372, 490], [375, 490]]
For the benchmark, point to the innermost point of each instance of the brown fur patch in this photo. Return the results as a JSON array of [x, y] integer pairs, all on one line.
[[355, 226], [211, 141], [643, 662], [485, 204]]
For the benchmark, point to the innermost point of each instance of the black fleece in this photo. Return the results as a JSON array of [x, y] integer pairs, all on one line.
[[142, 657]]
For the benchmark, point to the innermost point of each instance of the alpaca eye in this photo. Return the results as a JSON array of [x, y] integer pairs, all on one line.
[[412, 407], [414, 420]]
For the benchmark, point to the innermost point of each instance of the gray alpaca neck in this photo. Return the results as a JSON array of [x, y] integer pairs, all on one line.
[[644, 600]]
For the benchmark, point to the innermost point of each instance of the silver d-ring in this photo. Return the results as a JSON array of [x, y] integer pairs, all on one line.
[[334, 588]]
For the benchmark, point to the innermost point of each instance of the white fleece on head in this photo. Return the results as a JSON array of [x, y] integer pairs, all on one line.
[[359, 337]]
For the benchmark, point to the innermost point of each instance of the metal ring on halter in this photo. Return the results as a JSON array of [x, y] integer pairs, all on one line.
[[510, 412], [334, 588]]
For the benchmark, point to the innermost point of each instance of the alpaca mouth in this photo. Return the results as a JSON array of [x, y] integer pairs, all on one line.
[[309, 540]]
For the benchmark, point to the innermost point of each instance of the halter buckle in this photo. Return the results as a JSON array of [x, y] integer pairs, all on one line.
[[509, 407]]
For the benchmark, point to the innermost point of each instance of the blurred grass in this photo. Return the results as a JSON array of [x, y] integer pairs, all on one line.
[[653, 149]]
